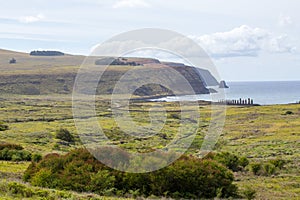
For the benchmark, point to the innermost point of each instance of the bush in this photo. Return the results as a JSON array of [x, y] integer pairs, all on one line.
[[260, 169], [231, 161], [102, 181], [3, 127], [256, 168], [279, 163], [243, 161], [188, 177], [44, 178], [10, 146], [36, 157], [65, 135], [19, 189], [249, 193], [269, 169], [13, 152], [288, 112]]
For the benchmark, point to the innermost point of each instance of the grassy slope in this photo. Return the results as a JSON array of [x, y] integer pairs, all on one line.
[[27, 64], [265, 133], [33, 75], [260, 133]]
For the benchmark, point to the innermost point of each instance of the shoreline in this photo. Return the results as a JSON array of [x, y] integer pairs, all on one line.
[[157, 99]]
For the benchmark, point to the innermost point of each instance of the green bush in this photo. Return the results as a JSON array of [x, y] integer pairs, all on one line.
[[15, 155], [288, 112], [243, 161], [279, 163], [102, 181], [3, 127], [36, 157], [249, 193], [256, 168], [65, 135], [10, 146], [19, 190], [188, 177], [44, 178], [229, 160], [269, 169], [263, 169]]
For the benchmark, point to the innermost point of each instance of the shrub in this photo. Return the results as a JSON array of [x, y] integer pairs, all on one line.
[[10, 146], [15, 155], [19, 189], [231, 161], [102, 181], [175, 116], [269, 169], [288, 112], [36, 157], [256, 168], [65, 135], [3, 127], [44, 178], [188, 177], [263, 169], [279, 163], [249, 193], [243, 161]]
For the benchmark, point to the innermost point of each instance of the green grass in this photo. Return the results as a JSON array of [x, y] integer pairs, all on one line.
[[13, 167], [11, 190], [260, 133]]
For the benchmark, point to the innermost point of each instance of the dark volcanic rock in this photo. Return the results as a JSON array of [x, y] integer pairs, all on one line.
[[223, 85]]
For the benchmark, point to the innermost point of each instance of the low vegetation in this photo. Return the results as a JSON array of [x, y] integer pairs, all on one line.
[[13, 152], [65, 135], [3, 126], [12, 190], [258, 148], [46, 53], [188, 177], [229, 160]]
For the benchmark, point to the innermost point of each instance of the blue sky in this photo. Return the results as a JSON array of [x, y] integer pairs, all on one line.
[[247, 40]]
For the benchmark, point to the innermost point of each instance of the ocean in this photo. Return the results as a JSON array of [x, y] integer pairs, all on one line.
[[263, 93]]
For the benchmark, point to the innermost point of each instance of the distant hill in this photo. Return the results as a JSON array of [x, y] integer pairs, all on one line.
[[34, 75], [207, 78]]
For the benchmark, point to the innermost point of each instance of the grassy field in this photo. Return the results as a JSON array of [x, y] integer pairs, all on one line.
[[261, 133]]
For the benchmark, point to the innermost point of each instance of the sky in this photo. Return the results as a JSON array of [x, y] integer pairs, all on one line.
[[248, 40]]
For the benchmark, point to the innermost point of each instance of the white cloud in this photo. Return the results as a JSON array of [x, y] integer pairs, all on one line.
[[130, 4], [31, 19], [285, 20], [280, 44], [244, 41]]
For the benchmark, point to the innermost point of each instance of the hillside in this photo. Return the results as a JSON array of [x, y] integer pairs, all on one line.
[[35, 75], [263, 134]]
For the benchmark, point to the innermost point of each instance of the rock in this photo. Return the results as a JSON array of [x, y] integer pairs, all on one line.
[[13, 61], [223, 85]]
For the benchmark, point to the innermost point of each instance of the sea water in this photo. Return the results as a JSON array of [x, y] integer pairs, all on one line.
[[264, 93]]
